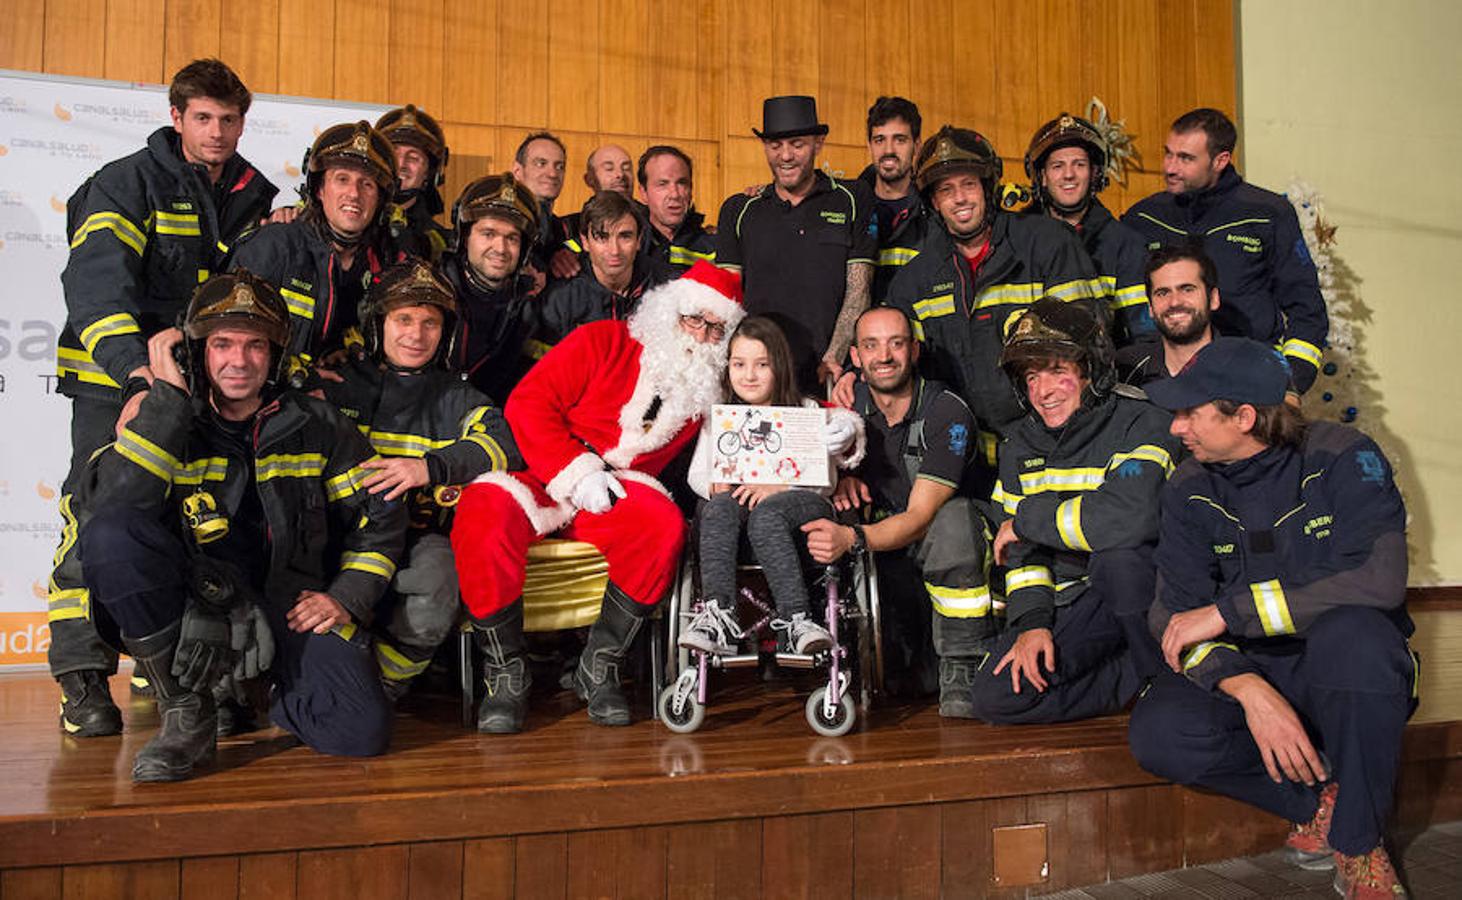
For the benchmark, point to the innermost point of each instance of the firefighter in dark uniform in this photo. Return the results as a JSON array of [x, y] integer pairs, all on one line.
[[674, 230], [899, 213], [612, 280], [226, 495], [1282, 613], [496, 221], [323, 261], [1078, 494], [1271, 291], [144, 231], [435, 433], [1066, 163], [977, 273], [421, 170]]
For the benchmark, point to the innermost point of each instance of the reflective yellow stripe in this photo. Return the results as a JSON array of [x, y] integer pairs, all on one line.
[[959, 603], [1144, 453], [1303, 350], [111, 326], [346, 483], [1068, 524], [1199, 652], [289, 465], [371, 563], [1226, 514], [684, 256], [395, 665], [344, 632], [202, 275], [1161, 224], [896, 256], [197, 471], [302, 305], [145, 453], [124, 230], [222, 247], [536, 349], [573, 245], [989, 446], [1272, 608], [933, 307], [182, 224], [1132, 295], [437, 242], [1217, 228], [1028, 576], [412, 445], [1001, 294], [1080, 479], [68, 532], [497, 459], [79, 364], [1078, 289], [918, 330], [1007, 502], [71, 603], [1415, 673]]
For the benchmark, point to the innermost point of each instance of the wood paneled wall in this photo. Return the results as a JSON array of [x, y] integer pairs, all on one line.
[[689, 72]]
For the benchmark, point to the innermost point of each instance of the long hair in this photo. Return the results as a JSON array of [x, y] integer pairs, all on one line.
[[784, 379], [1280, 425]]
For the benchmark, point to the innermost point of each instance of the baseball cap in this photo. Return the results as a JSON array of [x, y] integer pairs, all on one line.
[[1230, 368]]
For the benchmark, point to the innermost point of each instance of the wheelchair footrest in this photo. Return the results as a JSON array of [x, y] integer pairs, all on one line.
[[796, 660]]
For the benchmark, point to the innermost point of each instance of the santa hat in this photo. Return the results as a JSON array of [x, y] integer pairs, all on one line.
[[709, 289]]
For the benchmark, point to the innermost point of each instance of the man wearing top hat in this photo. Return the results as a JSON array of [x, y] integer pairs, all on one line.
[[805, 244]]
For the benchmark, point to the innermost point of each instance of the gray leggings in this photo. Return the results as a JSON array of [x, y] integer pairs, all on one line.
[[773, 530]]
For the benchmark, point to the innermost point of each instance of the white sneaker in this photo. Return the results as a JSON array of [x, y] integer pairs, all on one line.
[[713, 630], [806, 636]]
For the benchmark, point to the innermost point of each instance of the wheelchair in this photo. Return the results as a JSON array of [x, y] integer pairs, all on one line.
[[853, 664]]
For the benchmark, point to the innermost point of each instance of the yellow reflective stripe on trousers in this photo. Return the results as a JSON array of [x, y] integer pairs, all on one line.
[[138, 449], [302, 305], [118, 224], [1303, 350], [181, 224], [684, 256], [413, 445], [197, 471], [1081, 479], [346, 483], [110, 326], [1132, 295], [1068, 524], [369, 562], [933, 307], [1144, 453], [1026, 577], [69, 527], [1272, 608], [1199, 652], [289, 465], [72, 603], [959, 603], [395, 665], [896, 256]]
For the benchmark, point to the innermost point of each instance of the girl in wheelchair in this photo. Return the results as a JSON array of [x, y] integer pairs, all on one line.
[[759, 373]]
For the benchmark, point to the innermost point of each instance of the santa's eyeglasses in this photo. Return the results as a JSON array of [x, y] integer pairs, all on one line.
[[715, 330]]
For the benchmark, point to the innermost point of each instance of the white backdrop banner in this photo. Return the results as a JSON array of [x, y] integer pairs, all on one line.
[[54, 132]]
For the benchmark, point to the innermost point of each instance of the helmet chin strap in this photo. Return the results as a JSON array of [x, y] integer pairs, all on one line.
[[1065, 209], [406, 195], [476, 280]]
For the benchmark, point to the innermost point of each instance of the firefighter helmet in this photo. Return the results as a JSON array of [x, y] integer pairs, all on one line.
[[410, 283], [496, 195], [359, 146], [1057, 329], [1066, 130], [409, 125], [952, 150], [238, 299]]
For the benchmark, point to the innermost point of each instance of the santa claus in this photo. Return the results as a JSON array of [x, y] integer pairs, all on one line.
[[597, 419]]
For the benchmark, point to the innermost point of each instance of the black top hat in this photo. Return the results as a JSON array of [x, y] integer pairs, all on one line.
[[784, 117]]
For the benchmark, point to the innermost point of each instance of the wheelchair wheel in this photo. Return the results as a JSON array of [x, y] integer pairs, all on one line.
[[691, 714], [841, 722]]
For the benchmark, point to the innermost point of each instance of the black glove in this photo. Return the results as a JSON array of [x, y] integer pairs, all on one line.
[[204, 652], [251, 640]]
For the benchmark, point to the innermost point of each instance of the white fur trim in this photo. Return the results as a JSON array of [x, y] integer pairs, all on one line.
[[561, 488], [544, 519], [855, 453], [694, 298], [649, 481]]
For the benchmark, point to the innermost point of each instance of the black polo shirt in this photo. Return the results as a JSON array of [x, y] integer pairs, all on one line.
[[794, 259], [947, 449]]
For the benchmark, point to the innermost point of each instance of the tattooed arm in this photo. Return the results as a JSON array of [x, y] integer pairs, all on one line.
[[855, 301]]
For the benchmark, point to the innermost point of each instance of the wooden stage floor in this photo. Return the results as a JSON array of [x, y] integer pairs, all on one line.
[[730, 807]]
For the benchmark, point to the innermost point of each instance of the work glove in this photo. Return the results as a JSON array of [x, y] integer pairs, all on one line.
[[251, 641], [204, 653], [596, 492], [838, 434]]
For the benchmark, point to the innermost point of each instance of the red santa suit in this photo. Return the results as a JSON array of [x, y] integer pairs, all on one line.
[[618, 396]]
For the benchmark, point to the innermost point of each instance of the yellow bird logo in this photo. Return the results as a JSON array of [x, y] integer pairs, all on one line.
[[45, 491], [58, 205], [291, 170], [39, 590], [62, 113]]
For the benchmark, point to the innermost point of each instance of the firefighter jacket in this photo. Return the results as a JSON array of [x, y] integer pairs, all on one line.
[[493, 329], [961, 318], [325, 531], [1277, 540], [899, 243], [433, 415], [691, 242], [299, 259], [1088, 486], [1120, 255], [582, 299], [415, 230], [1269, 287], [145, 230]]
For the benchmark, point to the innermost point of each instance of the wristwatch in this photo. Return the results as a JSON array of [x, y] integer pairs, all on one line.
[[860, 540]]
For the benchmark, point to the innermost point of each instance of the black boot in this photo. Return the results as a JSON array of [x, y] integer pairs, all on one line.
[[504, 670], [187, 737], [962, 645], [596, 679], [87, 709], [956, 687]]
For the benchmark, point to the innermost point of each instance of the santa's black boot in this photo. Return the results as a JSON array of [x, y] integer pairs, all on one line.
[[505, 672], [187, 737], [596, 679]]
